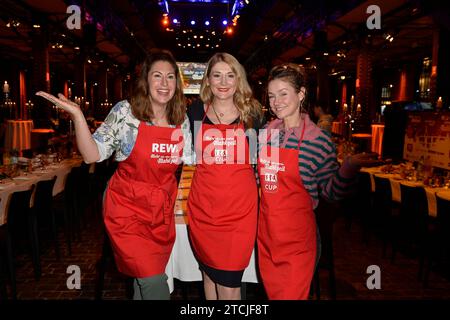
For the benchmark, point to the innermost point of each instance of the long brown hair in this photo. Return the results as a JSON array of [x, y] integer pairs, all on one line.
[[249, 108], [140, 101]]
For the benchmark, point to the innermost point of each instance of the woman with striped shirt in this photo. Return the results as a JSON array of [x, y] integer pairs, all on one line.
[[296, 161]]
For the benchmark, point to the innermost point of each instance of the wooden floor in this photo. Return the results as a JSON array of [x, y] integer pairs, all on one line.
[[352, 258]]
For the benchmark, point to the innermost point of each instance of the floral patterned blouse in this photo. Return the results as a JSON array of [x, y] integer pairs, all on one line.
[[119, 132]]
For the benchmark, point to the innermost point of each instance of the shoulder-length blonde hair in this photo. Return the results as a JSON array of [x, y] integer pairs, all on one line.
[[140, 101], [248, 107]]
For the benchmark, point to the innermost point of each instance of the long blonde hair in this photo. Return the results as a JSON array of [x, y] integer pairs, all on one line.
[[249, 108], [140, 101]]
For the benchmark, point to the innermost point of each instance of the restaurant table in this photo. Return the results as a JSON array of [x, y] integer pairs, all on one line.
[[24, 182], [444, 194], [40, 137], [363, 140], [395, 181], [377, 138], [18, 134], [182, 264], [337, 127]]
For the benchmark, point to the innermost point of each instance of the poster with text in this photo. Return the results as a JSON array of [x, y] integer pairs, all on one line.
[[428, 135]]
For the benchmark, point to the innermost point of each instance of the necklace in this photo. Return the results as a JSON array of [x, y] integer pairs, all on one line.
[[221, 115], [158, 122]]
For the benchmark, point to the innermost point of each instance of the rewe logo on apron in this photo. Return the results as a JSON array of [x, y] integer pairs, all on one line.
[[167, 153]]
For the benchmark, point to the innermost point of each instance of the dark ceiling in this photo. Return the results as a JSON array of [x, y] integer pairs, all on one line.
[[118, 33]]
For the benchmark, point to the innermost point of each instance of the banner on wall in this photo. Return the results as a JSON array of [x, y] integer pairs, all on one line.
[[428, 136]]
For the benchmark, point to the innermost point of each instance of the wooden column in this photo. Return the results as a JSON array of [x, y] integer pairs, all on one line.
[[117, 93], [440, 66], [343, 96], [434, 62], [103, 84], [40, 79], [364, 89], [23, 112], [405, 90], [66, 88], [323, 84], [79, 93], [323, 69]]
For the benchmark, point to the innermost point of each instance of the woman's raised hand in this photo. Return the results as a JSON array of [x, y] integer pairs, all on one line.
[[365, 160], [61, 102]]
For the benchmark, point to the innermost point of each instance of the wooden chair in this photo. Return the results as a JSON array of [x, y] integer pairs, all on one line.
[[438, 244], [22, 224]]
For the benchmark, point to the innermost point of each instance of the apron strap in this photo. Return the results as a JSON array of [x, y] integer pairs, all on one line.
[[301, 135], [269, 129], [206, 111]]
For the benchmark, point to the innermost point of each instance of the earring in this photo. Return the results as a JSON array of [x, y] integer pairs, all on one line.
[[300, 107], [271, 112]]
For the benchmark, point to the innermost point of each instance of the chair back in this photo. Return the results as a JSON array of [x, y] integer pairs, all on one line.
[[19, 207], [414, 204], [364, 183], [364, 190], [43, 196], [413, 211], [383, 192], [443, 215], [70, 188]]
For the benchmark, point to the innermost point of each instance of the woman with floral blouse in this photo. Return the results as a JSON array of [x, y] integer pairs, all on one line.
[[151, 136]]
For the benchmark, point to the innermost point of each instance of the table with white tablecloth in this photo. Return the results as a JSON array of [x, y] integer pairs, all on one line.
[[337, 127], [395, 181], [183, 266], [18, 134], [25, 181], [377, 138]]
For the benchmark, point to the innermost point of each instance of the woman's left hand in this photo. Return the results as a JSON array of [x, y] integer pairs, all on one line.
[[365, 160]]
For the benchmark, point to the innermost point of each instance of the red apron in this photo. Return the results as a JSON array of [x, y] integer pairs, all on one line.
[[286, 226], [222, 203], [139, 201]]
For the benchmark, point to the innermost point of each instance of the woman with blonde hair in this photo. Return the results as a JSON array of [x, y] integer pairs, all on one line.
[[222, 204], [150, 135]]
